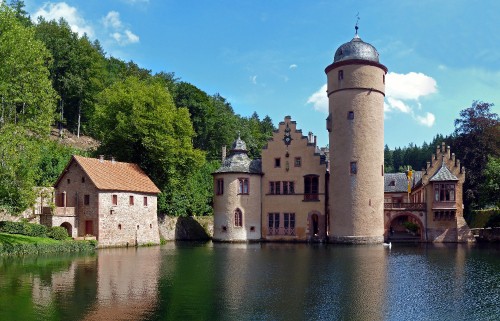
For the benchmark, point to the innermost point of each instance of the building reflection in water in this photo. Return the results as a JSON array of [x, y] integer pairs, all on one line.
[[116, 284]]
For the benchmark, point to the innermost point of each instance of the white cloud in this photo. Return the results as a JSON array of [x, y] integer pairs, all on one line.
[[119, 32], [397, 104], [55, 11], [292, 66], [428, 120], [112, 19], [253, 79], [403, 92], [409, 86], [319, 99]]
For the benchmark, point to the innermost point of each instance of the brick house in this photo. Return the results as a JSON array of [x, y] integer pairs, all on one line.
[[113, 201]]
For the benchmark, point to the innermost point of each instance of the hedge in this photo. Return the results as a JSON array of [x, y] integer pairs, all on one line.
[[35, 230], [37, 248]]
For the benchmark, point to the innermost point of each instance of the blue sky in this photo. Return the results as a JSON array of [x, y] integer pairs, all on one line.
[[270, 56]]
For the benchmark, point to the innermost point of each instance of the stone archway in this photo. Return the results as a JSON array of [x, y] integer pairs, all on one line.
[[68, 228], [405, 226]]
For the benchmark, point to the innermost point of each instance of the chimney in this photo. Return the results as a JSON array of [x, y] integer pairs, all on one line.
[[101, 158], [223, 153], [315, 138], [310, 137]]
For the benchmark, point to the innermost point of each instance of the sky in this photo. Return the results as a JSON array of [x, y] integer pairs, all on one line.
[[270, 56]]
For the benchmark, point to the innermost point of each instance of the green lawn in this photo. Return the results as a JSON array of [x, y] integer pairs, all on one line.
[[23, 239]]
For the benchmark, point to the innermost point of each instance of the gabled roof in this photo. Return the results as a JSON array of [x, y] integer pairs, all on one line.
[[113, 176], [443, 174]]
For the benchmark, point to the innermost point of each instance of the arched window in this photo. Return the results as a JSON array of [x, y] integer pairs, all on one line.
[[238, 218]]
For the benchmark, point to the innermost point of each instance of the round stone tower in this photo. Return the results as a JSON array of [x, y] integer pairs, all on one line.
[[237, 199], [356, 91]]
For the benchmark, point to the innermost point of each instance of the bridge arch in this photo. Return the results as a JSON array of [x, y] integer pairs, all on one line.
[[396, 225]]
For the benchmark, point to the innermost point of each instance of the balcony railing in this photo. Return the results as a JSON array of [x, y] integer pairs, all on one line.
[[290, 231], [311, 197], [59, 211], [405, 206]]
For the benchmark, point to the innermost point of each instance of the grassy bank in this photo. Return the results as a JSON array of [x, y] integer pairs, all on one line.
[[15, 244]]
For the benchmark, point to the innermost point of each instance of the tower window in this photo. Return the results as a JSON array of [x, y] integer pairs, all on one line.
[[383, 78], [238, 218], [277, 162], [350, 115], [219, 186], [298, 161], [243, 186], [354, 168], [341, 74]]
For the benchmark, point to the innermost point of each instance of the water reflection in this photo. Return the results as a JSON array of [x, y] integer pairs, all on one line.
[[268, 281]]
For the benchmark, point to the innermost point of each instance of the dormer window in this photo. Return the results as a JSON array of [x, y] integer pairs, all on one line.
[[392, 183]]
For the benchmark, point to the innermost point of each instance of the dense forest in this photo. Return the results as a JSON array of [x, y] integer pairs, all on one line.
[[52, 77]]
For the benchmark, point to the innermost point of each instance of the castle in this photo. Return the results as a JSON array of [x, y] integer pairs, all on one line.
[[299, 192]]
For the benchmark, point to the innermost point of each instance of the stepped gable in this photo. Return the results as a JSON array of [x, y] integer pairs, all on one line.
[[238, 160], [114, 176]]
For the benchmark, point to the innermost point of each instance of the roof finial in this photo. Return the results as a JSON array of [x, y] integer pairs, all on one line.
[[239, 135], [356, 26]]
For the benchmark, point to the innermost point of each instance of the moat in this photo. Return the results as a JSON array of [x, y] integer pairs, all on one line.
[[261, 281]]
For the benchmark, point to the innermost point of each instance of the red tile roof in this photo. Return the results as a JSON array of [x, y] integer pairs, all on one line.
[[115, 176]]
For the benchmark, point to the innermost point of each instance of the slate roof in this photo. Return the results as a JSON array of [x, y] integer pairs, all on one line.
[[239, 162], [400, 182], [113, 175], [443, 174], [356, 49]]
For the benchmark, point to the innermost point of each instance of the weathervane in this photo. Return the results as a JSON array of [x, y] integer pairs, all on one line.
[[357, 21]]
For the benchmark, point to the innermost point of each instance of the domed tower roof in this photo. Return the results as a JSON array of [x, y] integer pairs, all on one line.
[[238, 160], [356, 49]]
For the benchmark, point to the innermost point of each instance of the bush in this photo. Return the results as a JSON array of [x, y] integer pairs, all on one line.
[[23, 228], [485, 218], [58, 233], [412, 227]]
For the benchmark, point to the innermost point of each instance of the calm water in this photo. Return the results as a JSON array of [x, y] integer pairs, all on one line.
[[205, 281]]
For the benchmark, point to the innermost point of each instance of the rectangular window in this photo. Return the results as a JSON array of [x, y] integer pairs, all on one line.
[[341, 74], [275, 188], [114, 199], [243, 187], [145, 202], [350, 115], [288, 188], [289, 223], [298, 162], [273, 223], [311, 187], [277, 162], [86, 199], [444, 192], [354, 168], [83, 179], [68, 181], [219, 187], [131, 200]]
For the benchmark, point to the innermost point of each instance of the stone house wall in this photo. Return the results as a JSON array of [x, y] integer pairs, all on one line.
[[127, 224]]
